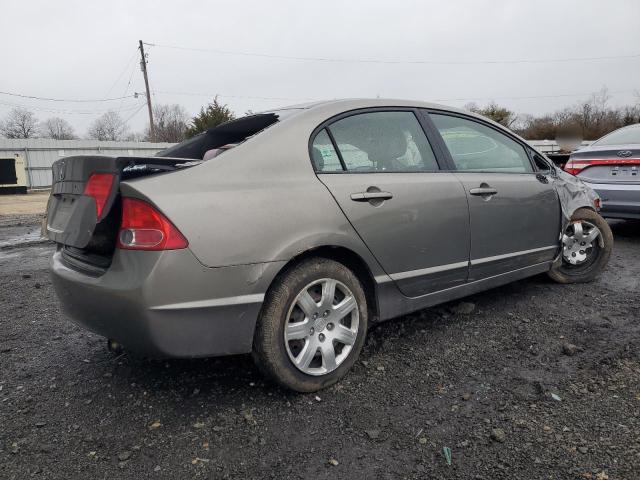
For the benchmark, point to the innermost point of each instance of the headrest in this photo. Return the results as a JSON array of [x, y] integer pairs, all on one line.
[[386, 145], [318, 159]]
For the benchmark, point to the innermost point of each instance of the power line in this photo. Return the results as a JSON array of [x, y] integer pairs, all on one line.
[[32, 97], [63, 111], [619, 92], [396, 62], [140, 107], [126, 90], [211, 95], [131, 59], [249, 97]]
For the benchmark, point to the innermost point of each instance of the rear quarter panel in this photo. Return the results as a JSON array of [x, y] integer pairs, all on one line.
[[259, 202]]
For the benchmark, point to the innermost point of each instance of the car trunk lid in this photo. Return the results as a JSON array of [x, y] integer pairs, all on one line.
[[606, 164], [84, 212]]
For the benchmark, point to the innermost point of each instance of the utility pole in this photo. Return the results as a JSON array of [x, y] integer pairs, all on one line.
[[143, 67]]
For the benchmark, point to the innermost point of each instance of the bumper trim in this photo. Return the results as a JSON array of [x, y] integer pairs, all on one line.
[[215, 302]]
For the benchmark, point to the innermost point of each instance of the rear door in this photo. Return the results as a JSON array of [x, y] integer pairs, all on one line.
[[381, 169], [514, 209]]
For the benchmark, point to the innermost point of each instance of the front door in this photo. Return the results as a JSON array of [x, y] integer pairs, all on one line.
[[514, 210], [385, 177]]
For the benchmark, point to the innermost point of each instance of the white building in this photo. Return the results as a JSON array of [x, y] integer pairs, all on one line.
[[37, 155]]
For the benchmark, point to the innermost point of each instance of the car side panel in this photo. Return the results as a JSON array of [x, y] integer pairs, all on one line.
[[236, 210], [420, 236], [517, 227]]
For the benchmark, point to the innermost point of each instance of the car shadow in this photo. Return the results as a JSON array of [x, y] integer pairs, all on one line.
[[233, 376], [625, 228]]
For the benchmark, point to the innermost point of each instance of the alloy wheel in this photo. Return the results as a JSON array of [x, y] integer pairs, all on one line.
[[321, 327], [578, 242]]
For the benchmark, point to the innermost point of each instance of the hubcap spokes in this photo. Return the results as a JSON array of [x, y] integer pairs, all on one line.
[[321, 327], [577, 242]]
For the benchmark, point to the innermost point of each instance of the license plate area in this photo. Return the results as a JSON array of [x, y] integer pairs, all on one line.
[[624, 171], [60, 213]]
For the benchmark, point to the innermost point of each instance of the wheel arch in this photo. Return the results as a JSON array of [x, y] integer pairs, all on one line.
[[349, 259], [584, 207]]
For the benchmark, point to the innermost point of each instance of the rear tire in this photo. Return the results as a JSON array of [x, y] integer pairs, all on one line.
[[596, 255], [304, 340]]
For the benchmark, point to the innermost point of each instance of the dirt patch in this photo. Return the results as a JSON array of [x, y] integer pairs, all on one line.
[[32, 203], [531, 380]]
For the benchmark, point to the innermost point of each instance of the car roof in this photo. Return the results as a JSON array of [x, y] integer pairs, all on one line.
[[355, 103], [324, 109]]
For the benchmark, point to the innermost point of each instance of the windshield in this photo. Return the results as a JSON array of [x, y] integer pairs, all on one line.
[[226, 135], [623, 136]]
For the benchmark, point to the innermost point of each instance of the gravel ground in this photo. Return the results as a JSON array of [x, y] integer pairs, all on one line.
[[531, 380]]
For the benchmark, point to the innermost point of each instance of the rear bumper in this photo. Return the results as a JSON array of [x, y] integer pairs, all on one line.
[[618, 200], [167, 304]]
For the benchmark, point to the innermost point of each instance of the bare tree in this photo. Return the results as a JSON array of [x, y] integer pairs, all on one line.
[[19, 123], [109, 126], [170, 123], [495, 112], [57, 128], [137, 136], [589, 120]]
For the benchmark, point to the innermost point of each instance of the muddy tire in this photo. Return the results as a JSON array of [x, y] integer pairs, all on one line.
[[312, 325], [587, 244]]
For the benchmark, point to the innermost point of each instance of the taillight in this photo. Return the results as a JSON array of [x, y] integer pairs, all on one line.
[[145, 228], [98, 187], [576, 165]]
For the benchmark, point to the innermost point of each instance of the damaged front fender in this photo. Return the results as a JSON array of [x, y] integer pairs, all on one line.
[[573, 195]]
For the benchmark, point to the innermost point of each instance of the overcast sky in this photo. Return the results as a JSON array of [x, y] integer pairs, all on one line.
[[88, 50]]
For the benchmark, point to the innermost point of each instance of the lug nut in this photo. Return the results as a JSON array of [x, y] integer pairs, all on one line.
[[312, 331], [321, 337], [581, 252], [573, 254], [315, 315], [582, 243], [329, 326], [326, 312]]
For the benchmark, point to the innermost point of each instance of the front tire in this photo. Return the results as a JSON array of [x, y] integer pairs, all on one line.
[[586, 247], [312, 325]]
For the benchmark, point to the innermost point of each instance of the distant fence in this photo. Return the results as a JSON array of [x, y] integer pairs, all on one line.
[[550, 146], [40, 153]]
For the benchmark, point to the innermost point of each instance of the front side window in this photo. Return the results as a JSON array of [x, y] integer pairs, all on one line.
[[476, 147], [383, 142]]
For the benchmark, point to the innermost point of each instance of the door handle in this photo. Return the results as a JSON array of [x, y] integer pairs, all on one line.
[[483, 191], [367, 196]]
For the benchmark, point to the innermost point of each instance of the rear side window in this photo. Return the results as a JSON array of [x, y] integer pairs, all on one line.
[[624, 136], [476, 147], [324, 156], [382, 142]]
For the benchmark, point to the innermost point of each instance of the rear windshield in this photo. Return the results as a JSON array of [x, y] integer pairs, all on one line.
[[226, 135], [624, 136]]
